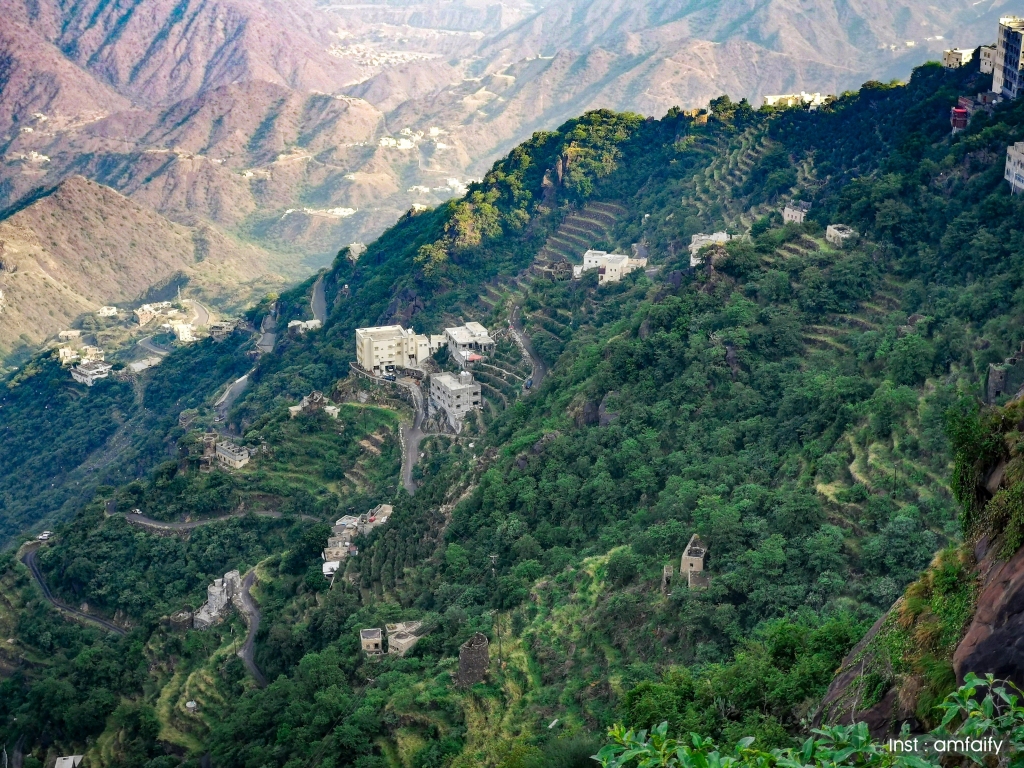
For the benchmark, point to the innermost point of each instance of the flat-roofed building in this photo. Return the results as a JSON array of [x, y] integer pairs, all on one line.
[[88, 372], [471, 337], [611, 267], [700, 240], [455, 396], [372, 641], [231, 455], [107, 312], [68, 335], [383, 349], [988, 59], [955, 58], [795, 212], [838, 234]]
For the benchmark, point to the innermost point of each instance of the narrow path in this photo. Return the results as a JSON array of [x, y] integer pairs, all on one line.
[[231, 394], [201, 315], [160, 525], [515, 325], [251, 612], [148, 345], [318, 302], [413, 435], [268, 337], [29, 559]]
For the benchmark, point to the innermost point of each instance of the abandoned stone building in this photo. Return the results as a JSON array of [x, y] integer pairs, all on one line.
[[372, 641], [693, 563], [403, 636], [474, 660], [1006, 378], [219, 597]]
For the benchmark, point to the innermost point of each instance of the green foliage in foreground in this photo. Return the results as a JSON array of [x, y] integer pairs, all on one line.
[[998, 715]]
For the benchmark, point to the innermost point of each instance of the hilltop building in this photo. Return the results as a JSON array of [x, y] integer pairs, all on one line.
[[455, 396], [838, 234], [231, 455], [1006, 65], [693, 562], [382, 349], [301, 326], [1014, 172], [1006, 378], [611, 267], [184, 332], [812, 100], [107, 312], [90, 352], [67, 355], [372, 641], [312, 403], [957, 57], [88, 372], [69, 335], [795, 212], [219, 595], [70, 761], [700, 240]]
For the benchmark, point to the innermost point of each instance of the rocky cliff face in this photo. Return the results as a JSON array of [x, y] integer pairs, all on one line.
[[965, 614]]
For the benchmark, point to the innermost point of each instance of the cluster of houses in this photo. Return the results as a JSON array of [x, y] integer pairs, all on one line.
[[401, 637], [1005, 62], [91, 365], [183, 332], [339, 544], [384, 350], [220, 596]]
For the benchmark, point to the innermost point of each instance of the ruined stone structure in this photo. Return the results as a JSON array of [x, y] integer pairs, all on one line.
[[372, 641], [666, 578], [692, 563], [181, 620], [474, 660], [403, 636], [219, 596], [1006, 378]]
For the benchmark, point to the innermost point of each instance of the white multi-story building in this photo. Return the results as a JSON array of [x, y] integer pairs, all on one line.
[[957, 57], [184, 332], [382, 349], [88, 372], [1006, 67], [988, 58], [700, 240], [611, 267], [1014, 172], [455, 396]]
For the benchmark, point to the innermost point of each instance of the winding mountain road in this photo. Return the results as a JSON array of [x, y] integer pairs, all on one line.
[[540, 370], [251, 612], [147, 344], [318, 301], [160, 525], [231, 394], [29, 559], [412, 435]]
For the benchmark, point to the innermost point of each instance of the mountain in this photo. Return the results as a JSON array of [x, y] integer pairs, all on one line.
[[83, 245], [807, 405]]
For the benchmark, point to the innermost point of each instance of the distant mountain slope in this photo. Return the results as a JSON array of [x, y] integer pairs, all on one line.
[[84, 245], [35, 77], [156, 51]]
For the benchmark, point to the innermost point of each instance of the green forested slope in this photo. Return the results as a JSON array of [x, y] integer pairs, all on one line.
[[787, 404]]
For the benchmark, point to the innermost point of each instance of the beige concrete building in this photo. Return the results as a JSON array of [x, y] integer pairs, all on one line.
[[795, 212], [383, 349], [372, 641], [455, 396], [69, 335], [838, 234], [794, 99], [403, 636], [231, 455], [693, 563], [90, 352], [988, 59], [957, 57], [611, 267], [67, 356]]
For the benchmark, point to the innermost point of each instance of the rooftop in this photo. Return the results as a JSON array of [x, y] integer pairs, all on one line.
[[468, 333], [232, 451], [382, 331], [370, 634], [452, 383]]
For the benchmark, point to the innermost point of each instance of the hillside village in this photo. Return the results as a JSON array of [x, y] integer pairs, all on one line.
[[431, 397]]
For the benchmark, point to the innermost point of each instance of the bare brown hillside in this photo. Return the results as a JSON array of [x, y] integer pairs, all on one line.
[[85, 245]]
